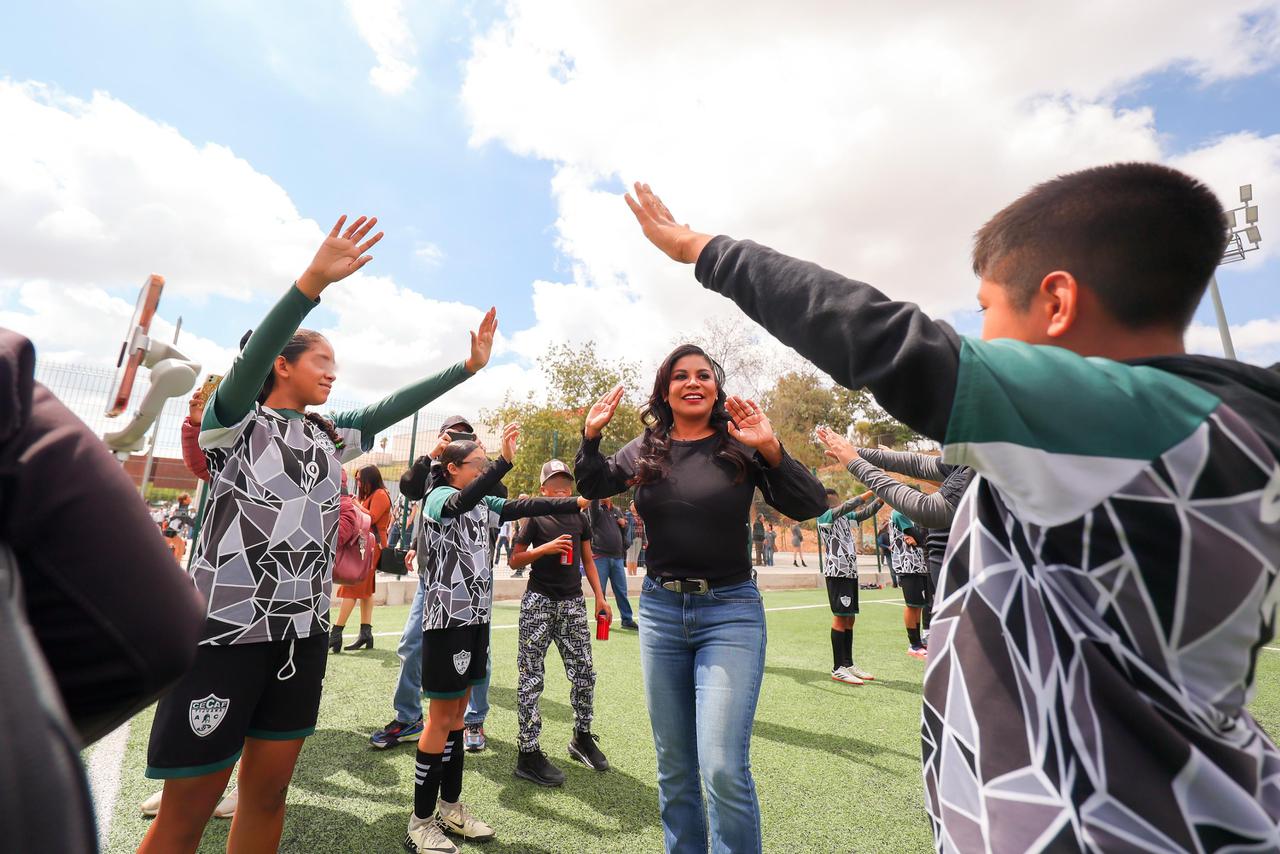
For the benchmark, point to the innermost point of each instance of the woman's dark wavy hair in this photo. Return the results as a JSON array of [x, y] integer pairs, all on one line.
[[368, 481], [300, 343], [654, 463], [454, 452]]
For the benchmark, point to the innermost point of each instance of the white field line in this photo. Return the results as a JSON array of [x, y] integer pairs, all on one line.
[[104, 778], [1272, 648]]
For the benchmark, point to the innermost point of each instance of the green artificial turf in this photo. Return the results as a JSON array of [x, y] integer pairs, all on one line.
[[837, 767]]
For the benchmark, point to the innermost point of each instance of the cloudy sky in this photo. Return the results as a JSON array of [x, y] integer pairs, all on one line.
[[214, 142]]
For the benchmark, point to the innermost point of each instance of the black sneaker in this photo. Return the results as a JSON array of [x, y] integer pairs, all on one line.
[[630, 624], [583, 748], [534, 766]]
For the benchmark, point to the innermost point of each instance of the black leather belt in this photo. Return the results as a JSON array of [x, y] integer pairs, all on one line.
[[699, 585]]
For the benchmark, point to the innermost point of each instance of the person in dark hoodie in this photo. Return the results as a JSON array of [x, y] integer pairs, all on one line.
[[93, 627], [1111, 572]]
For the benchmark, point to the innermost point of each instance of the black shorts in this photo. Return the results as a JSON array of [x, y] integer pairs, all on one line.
[[842, 593], [454, 660], [917, 589], [251, 690]]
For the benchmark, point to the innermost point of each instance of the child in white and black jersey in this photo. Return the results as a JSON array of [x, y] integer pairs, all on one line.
[[840, 568], [453, 555], [264, 562], [554, 609]]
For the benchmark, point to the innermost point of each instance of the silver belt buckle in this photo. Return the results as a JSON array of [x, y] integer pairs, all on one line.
[[680, 585]]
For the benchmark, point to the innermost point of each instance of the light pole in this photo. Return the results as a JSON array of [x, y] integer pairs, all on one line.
[[1235, 251]]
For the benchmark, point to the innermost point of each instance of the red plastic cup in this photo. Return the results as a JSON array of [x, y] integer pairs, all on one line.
[[566, 557], [602, 626]]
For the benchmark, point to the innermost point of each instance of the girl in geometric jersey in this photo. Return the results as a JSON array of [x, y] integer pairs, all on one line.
[[454, 561], [264, 562]]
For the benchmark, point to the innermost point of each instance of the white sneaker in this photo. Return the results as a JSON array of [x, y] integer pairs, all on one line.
[[918, 652], [227, 806], [841, 674], [426, 836], [861, 674], [151, 806], [458, 820]]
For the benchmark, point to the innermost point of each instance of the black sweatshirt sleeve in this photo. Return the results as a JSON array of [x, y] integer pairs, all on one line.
[[790, 488], [115, 617], [847, 328], [413, 483], [537, 505], [463, 500], [601, 477]]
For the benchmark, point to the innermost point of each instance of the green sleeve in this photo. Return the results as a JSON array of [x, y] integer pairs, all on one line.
[[1056, 432], [494, 503], [433, 504], [399, 405], [826, 518], [238, 391]]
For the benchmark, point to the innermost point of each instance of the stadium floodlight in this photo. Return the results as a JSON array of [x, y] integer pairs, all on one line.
[[1235, 251]]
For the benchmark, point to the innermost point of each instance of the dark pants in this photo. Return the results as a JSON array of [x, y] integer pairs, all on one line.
[[759, 552]]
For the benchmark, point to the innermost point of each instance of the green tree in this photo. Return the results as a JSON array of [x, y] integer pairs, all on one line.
[[801, 400], [576, 378]]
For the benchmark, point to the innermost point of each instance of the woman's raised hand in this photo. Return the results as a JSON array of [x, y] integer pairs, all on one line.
[[750, 425], [601, 413], [680, 242], [482, 341], [838, 447], [510, 437], [341, 254]]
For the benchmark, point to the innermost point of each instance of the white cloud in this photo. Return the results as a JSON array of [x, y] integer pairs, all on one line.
[[869, 141], [97, 193], [385, 29], [429, 254], [1256, 341]]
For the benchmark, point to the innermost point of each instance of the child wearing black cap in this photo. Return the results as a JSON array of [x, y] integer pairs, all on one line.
[[554, 609]]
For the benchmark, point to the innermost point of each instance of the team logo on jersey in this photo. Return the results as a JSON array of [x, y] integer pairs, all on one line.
[[846, 600], [206, 714], [461, 660]]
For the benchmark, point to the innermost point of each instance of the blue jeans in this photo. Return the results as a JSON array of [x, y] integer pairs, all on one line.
[[613, 569], [408, 699], [703, 661]]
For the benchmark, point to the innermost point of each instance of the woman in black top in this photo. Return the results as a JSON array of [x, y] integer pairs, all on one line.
[[702, 629]]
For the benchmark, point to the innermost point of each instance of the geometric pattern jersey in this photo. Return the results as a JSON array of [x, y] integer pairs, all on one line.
[[453, 557], [1088, 674], [905, 558], [264, 562], [453, 551], [840, 559]]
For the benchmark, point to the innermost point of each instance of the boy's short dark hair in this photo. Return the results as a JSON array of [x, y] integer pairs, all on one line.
[[1143, 237], [832, 492]]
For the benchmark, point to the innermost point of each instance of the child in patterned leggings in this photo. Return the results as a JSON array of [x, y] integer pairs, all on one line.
[[554, 609]]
